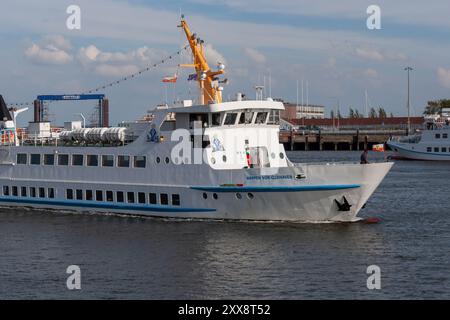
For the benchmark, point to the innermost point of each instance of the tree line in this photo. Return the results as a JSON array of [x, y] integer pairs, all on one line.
[[353, 113]]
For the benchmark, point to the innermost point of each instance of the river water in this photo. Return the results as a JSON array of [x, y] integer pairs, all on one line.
[[139, 258]]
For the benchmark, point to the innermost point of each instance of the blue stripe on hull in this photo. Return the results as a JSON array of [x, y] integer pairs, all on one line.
[[275, 188], [99, 205]]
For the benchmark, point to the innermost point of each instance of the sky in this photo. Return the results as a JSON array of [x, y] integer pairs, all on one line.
[[324, 43]]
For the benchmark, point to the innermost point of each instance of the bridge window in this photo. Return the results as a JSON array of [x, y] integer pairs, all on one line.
[[246, 118], [49, 159], [21, 158], [274, 117], [230, 119], [108, 161], [216, 118], [261, 118], [92, 160], [139, 161], [35, 159], [77, 160], [123, 161], [63, 160]]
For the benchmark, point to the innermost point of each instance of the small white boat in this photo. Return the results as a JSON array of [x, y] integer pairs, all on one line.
[[432, 143]]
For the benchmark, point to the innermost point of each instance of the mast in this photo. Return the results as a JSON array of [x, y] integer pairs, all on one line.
[[210, 91]]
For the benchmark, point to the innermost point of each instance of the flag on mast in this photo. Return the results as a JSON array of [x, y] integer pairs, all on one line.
[[171, 79]]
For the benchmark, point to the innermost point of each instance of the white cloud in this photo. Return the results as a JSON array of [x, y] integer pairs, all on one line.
[[370, 54], [255, 55], [213, 56], [371, 73], [115, 70], [48, 54], [444, 77]]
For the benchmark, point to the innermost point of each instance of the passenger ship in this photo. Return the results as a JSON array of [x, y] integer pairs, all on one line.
[[215, 160], [432, 143]]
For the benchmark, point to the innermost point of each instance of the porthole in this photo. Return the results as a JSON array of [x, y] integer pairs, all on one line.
[[213, 160], [215, 196], [167, 160], [238, 196], [158, 160], [281, 155], [205, 196], [250, 195], [224, 158]]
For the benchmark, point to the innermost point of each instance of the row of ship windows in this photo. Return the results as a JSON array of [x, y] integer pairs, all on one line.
[[121, 197], [88, 160], [436, 149], [100, 195], [444, 136]]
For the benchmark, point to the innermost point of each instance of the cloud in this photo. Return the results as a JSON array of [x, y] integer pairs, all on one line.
[[213, 56], [50, 50], [115, 70], [255, 55], [444, 77], [116, 63], [377, 55], [371, 73]]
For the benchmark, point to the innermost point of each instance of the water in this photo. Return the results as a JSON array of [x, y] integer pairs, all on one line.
[[123, 257]]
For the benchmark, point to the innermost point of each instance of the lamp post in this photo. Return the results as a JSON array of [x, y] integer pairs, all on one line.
[[408, 69]]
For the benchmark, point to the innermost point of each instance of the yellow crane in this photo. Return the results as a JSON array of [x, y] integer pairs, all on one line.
[[210, 91]]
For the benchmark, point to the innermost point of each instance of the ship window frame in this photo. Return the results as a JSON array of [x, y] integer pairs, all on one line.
[[63, 159], [41, 192], [444, 136], [227, 114], [437, 135], [89, 195], [244, 115], [89, 158], [97, 197], [14, 191], [436, 149], [51, 193], [76, 157], [265, 117], [33, 193], [109, 196], [33, 155], [69, 194], [79, 194], [153, 198], [120, 162], [214, 119], [120, 198], [444, 149], [429, 149], [131, 198], [105, 159], [23, 192], [139, 163], [6, 190], [19, 158], [164, 199], [176, 199], [46, 157], [141, 198]]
